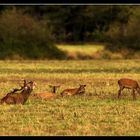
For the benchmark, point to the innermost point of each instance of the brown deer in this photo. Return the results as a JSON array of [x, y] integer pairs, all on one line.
[[47, 95], [74, 91], [129, 84], [19, 98]]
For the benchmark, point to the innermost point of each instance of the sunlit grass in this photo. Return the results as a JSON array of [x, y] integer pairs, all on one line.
[[81, 51], [98, 112], [87, 49]]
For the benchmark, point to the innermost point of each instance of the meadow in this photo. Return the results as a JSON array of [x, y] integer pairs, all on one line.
[[82, 51], [97, 113], [86, 51]]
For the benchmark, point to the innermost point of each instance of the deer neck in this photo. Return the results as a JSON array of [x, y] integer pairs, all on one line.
[[76, 90], [26, 93], [79, 89], [54, 90]]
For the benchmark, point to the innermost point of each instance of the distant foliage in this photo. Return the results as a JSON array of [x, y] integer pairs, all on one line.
[[123, 35], [31, 31], [22, 36]]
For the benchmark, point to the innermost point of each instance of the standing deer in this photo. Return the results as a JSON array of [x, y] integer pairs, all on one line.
[[129, 84], [47, 95], [19, 98], [74, 91]]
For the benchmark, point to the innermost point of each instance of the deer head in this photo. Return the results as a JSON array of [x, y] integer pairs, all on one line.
[[82, 88], [54, 87]]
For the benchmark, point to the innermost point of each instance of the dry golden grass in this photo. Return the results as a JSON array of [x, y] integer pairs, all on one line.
[[98, 112], [83, 51]]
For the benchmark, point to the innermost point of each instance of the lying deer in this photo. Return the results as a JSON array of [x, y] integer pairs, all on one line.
[[74, 91], [129, 84], [19, 98], [47, 95]]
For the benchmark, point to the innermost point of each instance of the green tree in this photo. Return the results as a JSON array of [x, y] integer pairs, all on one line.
[[23, 36]]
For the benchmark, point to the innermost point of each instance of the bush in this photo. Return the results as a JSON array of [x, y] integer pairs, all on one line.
[[22, 36], [127, 41]]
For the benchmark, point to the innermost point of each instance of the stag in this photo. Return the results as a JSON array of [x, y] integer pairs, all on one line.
[[19, 98]]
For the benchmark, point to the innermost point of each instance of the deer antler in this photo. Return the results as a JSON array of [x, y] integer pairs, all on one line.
[[15, 90], [25, 82]]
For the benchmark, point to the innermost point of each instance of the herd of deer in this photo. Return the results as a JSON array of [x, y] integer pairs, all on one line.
[[20, 96]]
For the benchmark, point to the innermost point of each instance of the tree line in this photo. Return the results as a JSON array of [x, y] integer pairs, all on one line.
[[39, 27]]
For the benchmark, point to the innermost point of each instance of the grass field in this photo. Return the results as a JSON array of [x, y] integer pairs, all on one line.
[[83, 51], [98, 112]]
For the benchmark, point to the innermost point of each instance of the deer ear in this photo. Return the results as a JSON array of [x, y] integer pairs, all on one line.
[[34, 84]]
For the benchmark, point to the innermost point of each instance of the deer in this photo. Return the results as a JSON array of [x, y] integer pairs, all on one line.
[[129, 84], [74, 91], [14, 97], [47, 95]]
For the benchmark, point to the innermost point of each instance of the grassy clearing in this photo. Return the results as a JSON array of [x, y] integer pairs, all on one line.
[[95, 51], [83, 51], [98, 112], [90, 48]]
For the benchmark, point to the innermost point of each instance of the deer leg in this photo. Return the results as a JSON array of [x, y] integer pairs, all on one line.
[[134, 95], [119, 92], [138, 90]]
